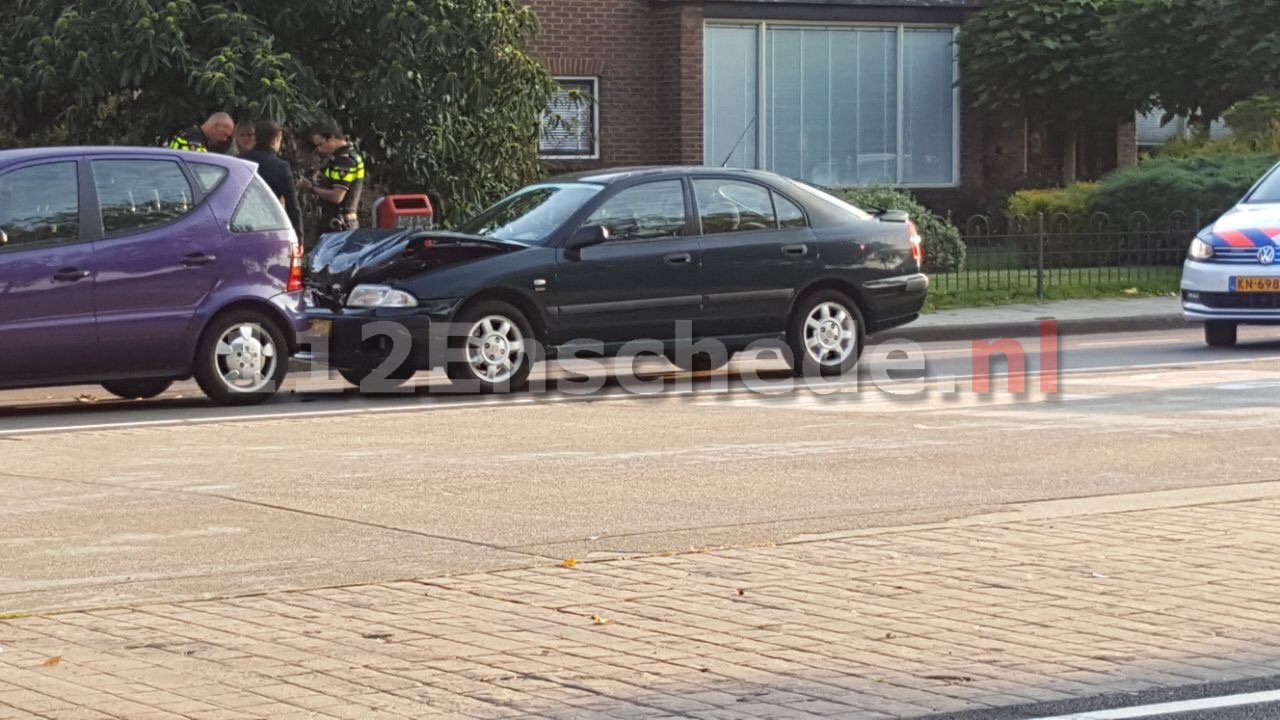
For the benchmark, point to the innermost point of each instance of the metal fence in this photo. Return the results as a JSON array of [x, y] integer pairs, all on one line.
[[1061, 254]]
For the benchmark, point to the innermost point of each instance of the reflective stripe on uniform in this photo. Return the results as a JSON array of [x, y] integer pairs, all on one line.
[[338, 174]]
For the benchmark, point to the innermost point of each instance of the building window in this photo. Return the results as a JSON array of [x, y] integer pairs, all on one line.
[[834, 105], [570, 126]]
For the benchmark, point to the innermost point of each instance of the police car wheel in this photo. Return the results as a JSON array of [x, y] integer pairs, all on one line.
[[1218, 333], [364, 378]]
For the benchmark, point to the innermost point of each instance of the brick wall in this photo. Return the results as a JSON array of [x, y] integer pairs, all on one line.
[[613, 40]]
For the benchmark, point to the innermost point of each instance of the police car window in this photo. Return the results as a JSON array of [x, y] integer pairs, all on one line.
[[652, 210], [209, 176], [136, 195], [40, 205], [259, 210]]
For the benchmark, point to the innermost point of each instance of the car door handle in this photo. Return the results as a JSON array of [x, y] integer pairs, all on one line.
[[70, 275], [795, 249], [198, 259], [679, 258]]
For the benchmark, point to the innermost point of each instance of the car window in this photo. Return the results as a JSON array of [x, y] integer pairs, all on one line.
[[136, 195], [789, 214], [259, 210], [652, 210], [40, 205], [209, 176], [727, 206], [531, 215]]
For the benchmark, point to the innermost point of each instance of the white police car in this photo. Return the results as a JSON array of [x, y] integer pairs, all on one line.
[[1231, 276]]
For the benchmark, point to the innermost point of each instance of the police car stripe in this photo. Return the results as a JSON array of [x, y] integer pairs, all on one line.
[[1257, 237], [1234, 238]]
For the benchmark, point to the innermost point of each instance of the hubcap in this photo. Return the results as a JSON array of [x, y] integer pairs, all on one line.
[[246, 358], [830, 334], [495, 349]]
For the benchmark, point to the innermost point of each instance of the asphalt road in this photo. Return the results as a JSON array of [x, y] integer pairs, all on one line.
[[1242, 700], [114, 503], [317, 392]]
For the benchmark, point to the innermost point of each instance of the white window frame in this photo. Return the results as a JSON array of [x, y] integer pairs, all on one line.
[[595, 120], [762, 82]]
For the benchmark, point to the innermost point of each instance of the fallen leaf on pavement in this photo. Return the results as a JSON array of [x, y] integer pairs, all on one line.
[[1131, 291], [569, 563], [53, 661], [600, 620], [87, 399]]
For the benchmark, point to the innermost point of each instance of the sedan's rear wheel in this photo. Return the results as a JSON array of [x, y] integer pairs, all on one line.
[[143, 389], [1219, 333], [826, 334], [496, 353]]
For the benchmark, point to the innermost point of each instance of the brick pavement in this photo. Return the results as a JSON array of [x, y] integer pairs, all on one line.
[[887, 623]]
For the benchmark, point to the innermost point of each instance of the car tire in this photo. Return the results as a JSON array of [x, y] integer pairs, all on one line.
[[1218, 333], [395, 378], [837, 340], [255, 343], [491, 329], [143, 389]]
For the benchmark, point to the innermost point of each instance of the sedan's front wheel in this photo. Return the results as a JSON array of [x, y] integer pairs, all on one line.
[[495, 354], [826, 334]]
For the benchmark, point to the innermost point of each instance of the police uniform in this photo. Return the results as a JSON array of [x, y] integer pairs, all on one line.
[[192, 140], [344, 170]]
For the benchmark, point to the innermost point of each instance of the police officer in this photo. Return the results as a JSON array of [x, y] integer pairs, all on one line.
[[341, 180], [210, 136]]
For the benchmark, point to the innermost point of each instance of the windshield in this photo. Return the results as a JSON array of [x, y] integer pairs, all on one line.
[[532, 214], [1268, 190]]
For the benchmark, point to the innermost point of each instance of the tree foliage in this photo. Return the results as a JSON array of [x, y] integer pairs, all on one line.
[[439, 94], [1073, 61], [1048, 59]]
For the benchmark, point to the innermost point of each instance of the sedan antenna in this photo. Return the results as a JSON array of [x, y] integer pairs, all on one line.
[[740, 139]]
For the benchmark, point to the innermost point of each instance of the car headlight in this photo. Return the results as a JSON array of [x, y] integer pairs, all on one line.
[[1200, 250], [380, 296]]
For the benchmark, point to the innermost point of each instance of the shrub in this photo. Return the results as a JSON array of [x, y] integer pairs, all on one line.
[[1075, 201], [944, 250], [1165, 185]]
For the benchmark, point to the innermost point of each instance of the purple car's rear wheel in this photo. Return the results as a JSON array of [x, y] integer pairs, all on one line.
[[242, 358]]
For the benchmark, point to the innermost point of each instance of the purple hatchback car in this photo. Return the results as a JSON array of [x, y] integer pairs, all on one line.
[[136, 267]]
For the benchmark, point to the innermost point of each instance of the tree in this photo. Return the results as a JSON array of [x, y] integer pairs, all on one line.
[[1052, 60], [440, 95], [1197, 58]]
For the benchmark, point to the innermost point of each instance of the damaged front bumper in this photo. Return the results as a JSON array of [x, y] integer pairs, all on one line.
[[368, 338]]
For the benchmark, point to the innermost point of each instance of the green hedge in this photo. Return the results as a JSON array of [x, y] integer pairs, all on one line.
[[944, 250], [1161, 186], [1158, 187]]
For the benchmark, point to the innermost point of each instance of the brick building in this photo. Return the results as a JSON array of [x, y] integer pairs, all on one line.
[[837, 92]]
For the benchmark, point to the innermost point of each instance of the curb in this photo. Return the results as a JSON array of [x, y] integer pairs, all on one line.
[[1031, 328]]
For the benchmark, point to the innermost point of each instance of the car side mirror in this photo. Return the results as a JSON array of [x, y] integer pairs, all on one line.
[[586, 236]]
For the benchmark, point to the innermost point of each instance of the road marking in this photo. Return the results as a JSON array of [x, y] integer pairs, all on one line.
[[1169, 708], [1031, 379]]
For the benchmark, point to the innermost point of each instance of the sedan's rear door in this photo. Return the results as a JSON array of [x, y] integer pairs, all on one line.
[[757, 251]]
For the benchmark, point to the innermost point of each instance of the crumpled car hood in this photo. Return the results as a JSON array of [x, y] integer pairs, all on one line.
[[346, 259]]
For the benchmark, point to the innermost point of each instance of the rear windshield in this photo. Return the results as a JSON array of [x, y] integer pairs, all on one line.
[[259, 210]]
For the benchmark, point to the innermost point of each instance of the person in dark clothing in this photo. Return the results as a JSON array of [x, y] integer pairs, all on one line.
[[341, 181], [268, 137]]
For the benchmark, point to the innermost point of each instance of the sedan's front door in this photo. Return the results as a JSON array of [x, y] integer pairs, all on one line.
[[47, 325], [641, 283]]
